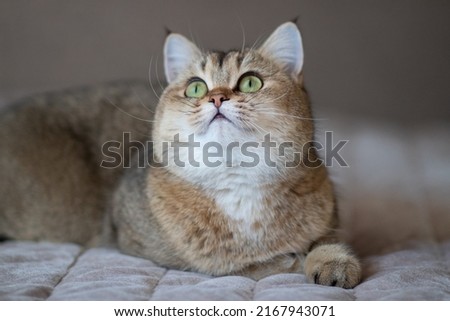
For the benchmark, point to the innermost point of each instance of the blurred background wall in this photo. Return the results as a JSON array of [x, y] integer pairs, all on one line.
[[378, 59]]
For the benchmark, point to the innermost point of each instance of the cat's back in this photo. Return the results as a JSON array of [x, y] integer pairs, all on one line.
[[52, 185]]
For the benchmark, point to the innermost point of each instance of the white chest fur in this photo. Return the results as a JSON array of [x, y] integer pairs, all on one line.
[[241, 200], [238, 191]]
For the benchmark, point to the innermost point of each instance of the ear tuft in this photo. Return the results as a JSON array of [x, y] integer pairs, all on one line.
[[285, 46], [179, 52]]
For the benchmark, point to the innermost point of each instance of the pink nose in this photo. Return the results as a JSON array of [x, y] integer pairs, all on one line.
[[218, 99]]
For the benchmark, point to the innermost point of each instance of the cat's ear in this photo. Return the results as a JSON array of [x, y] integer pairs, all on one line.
[[285, 46], [179, 52]]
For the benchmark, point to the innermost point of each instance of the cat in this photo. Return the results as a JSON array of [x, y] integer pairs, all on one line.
[[252, 212], [51, 184]]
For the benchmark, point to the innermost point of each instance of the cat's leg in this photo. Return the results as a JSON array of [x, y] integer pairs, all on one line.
[[288, 263], [333, 264], [326, 264]]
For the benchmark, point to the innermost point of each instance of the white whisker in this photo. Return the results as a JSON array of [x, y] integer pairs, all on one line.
[[288, 115], [142, 103], [149, 78], [127, 113], [272, 100], [157, 74], [256, 43], [243, 34], [258, 128], [194, 37]]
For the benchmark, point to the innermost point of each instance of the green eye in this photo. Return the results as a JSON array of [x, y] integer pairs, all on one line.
[[250, 84], [196, 89]]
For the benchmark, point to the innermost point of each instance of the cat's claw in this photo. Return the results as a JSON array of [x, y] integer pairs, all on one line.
[[333, 265]]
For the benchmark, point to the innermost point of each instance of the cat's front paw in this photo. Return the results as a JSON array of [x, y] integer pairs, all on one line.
[[334, 265]]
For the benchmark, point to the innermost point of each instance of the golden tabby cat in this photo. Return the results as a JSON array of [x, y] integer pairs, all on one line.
[[231, 184]]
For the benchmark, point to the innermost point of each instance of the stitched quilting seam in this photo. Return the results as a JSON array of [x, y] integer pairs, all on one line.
[[157, 283], [69, 268]]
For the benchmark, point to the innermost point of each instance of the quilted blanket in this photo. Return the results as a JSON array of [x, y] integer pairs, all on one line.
[[46, 271], [395, 212]]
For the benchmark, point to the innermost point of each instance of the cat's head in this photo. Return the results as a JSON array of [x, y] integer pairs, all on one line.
[[235, 96]]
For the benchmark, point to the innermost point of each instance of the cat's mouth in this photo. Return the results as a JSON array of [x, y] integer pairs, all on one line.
[[219, 117]]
